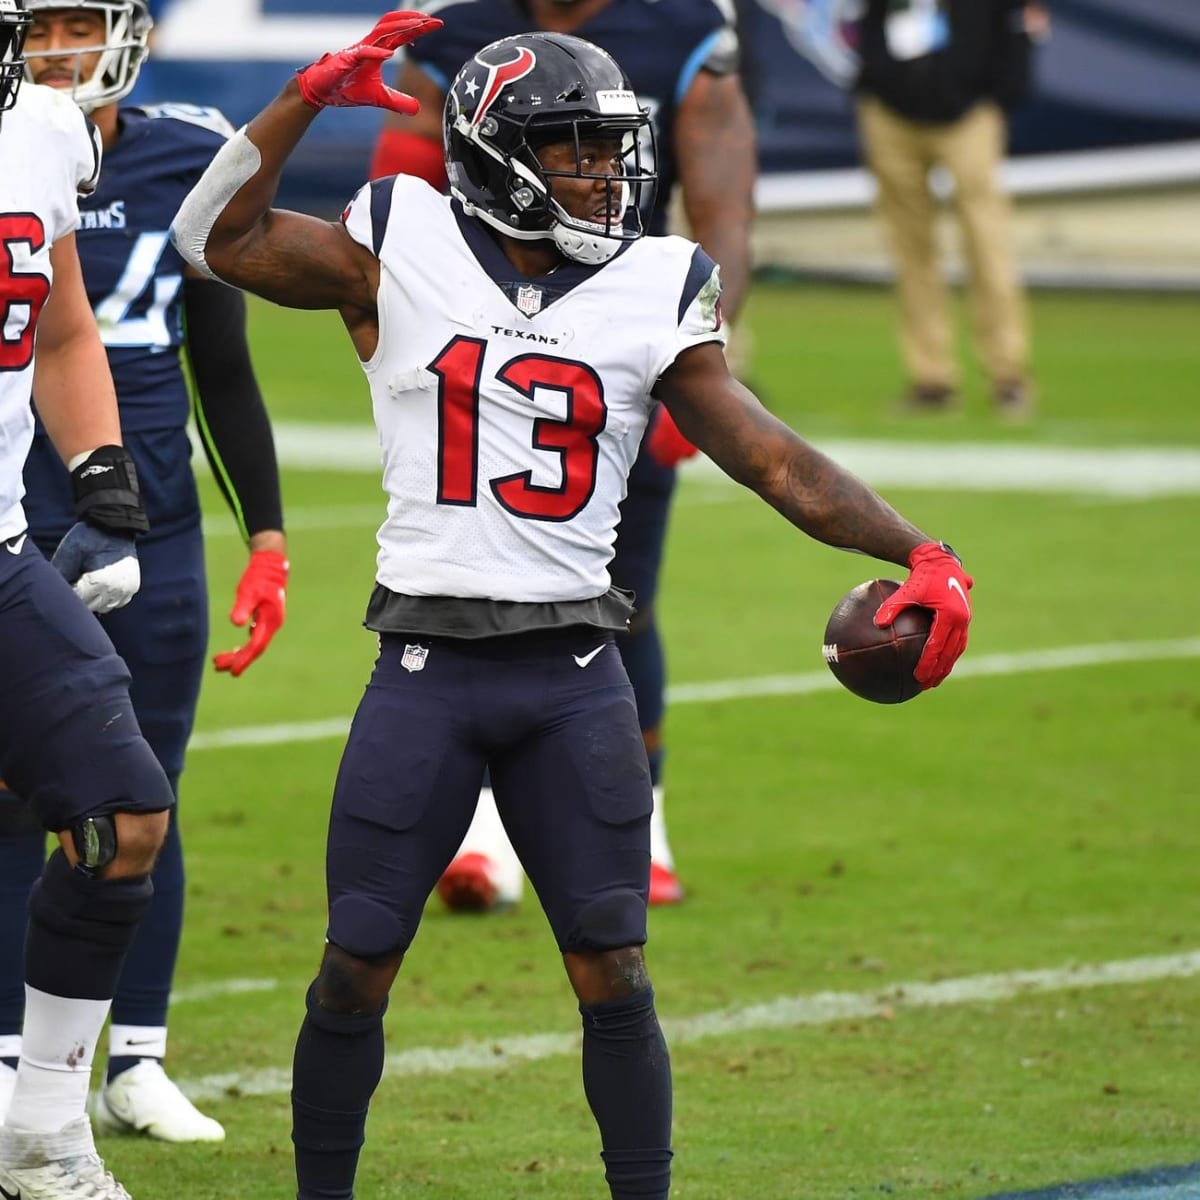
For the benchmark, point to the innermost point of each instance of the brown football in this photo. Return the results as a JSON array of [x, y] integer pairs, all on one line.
[[876, 664]]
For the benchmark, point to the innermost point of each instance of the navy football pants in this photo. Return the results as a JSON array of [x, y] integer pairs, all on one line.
[[558, 730]]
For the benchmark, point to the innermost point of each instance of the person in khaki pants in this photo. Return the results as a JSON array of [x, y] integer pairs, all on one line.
[[936, 79]]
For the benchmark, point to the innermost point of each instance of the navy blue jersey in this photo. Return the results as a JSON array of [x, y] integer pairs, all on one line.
[[660, 45], [134, 275]]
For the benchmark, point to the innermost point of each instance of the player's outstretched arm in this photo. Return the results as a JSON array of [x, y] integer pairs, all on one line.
[[752, 446], [827, 502], [227, 227]]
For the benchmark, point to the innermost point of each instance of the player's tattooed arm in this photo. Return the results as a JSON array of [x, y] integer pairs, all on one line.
[[228, 228], [715, 150], [755, 448]]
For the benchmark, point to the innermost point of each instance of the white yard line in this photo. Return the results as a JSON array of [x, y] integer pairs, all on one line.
[[1059, 658], [222, 987], [786, 1012], [1128, 472]]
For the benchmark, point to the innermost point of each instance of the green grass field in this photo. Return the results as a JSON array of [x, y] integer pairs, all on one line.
[[1009, 822]]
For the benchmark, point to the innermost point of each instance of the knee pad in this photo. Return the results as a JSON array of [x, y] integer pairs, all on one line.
[[610, 922], [80, 929], [95, 842], [365, 928], [74, 905]]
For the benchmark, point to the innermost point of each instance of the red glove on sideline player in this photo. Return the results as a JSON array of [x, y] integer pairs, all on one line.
[[261, 599], [351, 78], [936, 581], [666, 445]]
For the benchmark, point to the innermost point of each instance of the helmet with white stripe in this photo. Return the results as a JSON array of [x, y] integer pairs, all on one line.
[[530, 90]]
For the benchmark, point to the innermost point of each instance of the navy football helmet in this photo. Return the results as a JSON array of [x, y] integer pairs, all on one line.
[[127, 25], [526, 91], [14, 25]]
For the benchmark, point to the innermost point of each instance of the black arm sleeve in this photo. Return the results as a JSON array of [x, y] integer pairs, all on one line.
[[230, 415]]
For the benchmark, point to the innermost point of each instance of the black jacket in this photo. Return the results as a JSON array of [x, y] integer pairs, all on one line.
[[987, 57]]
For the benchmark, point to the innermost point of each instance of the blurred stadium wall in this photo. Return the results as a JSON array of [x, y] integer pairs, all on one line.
[[1105, 164]]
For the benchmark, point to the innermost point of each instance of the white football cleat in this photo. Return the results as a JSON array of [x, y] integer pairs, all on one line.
[[8, 1082], [144, 1100], [55, 1166]]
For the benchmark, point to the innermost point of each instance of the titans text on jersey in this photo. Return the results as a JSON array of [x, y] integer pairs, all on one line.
[[134, 275]]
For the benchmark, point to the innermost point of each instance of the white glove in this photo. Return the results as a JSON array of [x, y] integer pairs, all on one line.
[[101, 567]]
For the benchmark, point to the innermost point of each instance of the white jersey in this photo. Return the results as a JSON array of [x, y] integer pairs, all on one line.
[[47, 157], [509, 412]]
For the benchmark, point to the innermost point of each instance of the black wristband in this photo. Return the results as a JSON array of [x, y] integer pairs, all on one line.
[[106, 492]]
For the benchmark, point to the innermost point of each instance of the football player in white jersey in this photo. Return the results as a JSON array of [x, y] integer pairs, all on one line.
[[69, 741], [514, 335]]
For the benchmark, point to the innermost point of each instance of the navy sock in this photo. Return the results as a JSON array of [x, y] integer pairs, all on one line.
[[144, 988], [336, 1069], [627, 1081], [22, 854]]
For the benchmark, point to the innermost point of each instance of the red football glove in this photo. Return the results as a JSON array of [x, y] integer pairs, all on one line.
[[261, 599], [666, 445], [936, 581], [351, 77]]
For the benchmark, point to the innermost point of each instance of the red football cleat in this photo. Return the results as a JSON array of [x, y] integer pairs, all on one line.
[[468, 884], [665, 887]]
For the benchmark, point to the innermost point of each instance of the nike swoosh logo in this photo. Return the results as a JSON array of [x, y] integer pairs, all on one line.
[[10, 1195], [584, 660], [15, 546], [954, 585]]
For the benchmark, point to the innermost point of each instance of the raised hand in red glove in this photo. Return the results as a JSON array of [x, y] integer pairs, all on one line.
[[261, 599], [665, 444], [351, 78], [936, 581]]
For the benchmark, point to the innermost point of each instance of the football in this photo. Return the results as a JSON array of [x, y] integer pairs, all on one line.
[[876, 664]]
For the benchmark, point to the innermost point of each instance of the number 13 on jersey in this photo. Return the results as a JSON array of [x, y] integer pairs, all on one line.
[[459, 368]]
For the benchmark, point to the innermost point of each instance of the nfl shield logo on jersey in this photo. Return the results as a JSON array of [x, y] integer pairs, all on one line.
[[414, 658], [529, 300]]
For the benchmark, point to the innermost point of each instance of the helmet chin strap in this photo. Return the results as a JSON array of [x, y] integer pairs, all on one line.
[[591, 249], [587, 242]]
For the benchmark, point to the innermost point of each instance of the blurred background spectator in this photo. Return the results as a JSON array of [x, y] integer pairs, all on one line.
[[935, 80]]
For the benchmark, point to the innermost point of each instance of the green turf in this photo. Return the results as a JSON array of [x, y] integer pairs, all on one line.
[[999, 824]]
